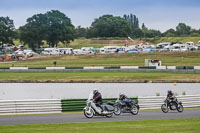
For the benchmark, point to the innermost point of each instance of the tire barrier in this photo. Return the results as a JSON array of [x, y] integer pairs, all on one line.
[[41, 106], [78, 104], [182, 69], [155, 102], [30, 106], [108, 67]]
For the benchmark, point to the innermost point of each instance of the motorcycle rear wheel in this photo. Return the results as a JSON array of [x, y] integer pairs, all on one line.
[[180, 108], [134, 110], [164, 108], [88, 113]]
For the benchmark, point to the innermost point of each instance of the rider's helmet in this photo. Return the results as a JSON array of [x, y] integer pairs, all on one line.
[[95, 91], [169, 92], [121, 96]]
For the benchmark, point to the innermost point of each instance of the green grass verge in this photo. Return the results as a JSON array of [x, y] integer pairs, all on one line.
[[142, 126], [113, 60], [99, 77]]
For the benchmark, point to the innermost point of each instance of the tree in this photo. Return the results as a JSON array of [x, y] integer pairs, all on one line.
[[34, 32], [53, 26], [109, 26], [145, 30], [133, 22], [183, 29], [170, 33], [194, 32], [80, 32], [7, 32], [59, 28]]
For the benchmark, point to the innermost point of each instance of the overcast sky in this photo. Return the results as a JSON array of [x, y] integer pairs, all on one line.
[[156, 14]]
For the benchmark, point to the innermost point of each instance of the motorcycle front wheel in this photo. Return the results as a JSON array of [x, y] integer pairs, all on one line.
[[88, 112], [134, 110], [164, 108], [180, 108], [117, 110]]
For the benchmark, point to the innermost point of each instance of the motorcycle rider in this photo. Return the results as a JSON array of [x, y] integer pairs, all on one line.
[[124, 100], [97, 98], [170, 96]]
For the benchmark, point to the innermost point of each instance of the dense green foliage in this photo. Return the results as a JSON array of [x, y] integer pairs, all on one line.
[[7, 28], [80, 32], [133, 22], [53, 26], [109, 26]]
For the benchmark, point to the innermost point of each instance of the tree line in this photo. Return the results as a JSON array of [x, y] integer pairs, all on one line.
[[54, 27]]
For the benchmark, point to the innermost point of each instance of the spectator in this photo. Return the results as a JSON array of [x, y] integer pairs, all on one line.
[[54, 63]]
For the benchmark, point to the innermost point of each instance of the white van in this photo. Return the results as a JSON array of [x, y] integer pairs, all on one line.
[[66, 51], [111, 49], [87, 50], [176, 48], [51, 51]]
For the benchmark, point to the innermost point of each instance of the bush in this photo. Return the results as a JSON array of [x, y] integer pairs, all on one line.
[[157, 94], [183, 93]]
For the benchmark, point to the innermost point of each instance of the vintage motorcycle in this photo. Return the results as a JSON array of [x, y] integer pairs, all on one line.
[[92, 109], [172, 105], [132, 107]]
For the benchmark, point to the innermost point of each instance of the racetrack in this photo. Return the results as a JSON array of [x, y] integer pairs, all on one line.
[[77, 118]]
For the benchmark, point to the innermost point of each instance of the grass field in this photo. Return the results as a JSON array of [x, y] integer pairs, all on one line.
[[78, 43], [173, 39], [168, 59], [142, 126], [83, 42], [99, 77]]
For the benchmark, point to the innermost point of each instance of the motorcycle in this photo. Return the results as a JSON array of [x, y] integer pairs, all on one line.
[[92, 109], [132, 107], [170, 104]]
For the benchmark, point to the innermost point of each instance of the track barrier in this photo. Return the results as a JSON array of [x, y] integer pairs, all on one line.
[[41, 106]]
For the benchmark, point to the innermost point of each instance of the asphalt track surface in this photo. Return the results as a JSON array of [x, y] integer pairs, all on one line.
[[79, 118]]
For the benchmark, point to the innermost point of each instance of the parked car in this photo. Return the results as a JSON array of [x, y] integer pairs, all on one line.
[[148, 50], [165, 49], [133, 51], [111, 49], [2, 52]]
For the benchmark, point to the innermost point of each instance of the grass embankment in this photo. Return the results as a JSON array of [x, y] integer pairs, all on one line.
[[99, 77], [168, 59], [83, 42], [142, 126], [173, 39]]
